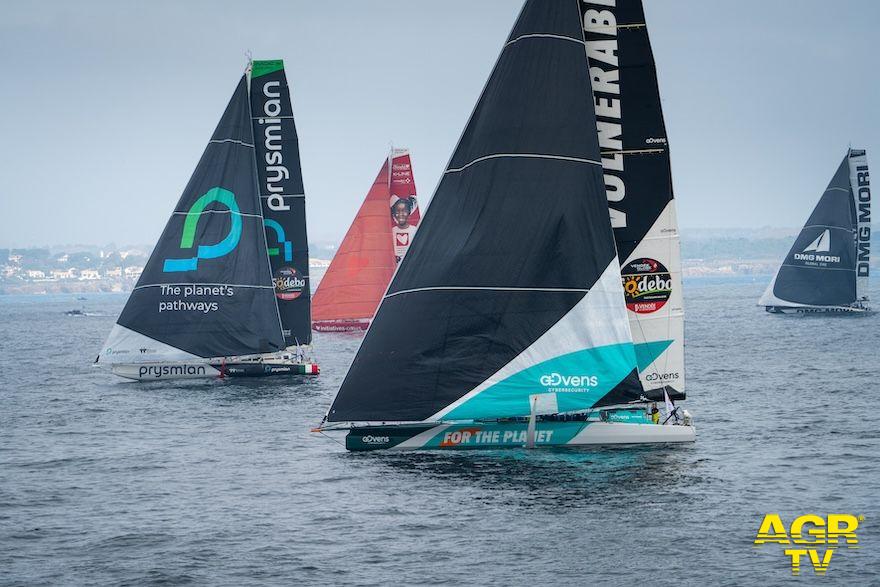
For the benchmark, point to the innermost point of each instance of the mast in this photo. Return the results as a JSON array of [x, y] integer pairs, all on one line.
[[282, 197], [513, 277], [638, 182], [206, 291]]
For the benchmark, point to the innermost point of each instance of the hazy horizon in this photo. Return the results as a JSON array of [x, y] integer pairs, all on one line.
[[111, 104]]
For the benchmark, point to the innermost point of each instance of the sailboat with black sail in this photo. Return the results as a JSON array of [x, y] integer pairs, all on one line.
[[638, 182], [827, 268], [505, 324], [206, 303]]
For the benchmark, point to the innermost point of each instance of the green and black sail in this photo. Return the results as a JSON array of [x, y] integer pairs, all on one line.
[[511, 287], [282, 197], [206, 290]]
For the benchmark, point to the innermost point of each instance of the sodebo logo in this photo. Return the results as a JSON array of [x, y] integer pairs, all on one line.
[[375, 439], [559, 380]]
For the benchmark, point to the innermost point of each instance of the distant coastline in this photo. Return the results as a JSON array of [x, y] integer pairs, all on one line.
[[83, 269]]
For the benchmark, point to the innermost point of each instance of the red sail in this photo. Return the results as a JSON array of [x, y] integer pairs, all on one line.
[[350, 291]]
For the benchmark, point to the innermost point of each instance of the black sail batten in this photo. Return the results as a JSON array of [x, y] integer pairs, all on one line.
[[638, 178], [820, 268], [632, 130], [516, 235], [206, 290], [282, 196]]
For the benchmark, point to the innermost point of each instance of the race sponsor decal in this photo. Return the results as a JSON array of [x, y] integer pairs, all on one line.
[[289, 284], [647, 285]]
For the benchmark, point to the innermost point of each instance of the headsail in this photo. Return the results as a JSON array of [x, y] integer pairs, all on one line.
[[860, 184], [823, 265], [206, 290], [638, 180], [282, 196], [512, 285], [350, 291]]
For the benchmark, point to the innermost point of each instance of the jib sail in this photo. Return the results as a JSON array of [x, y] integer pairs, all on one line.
[[282, 196], [511, 286], [860, 185], [206, 290], [821, 267], [638, 181], [350, 291]]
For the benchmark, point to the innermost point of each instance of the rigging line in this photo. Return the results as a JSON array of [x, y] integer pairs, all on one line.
[[822, 268], [203, 284], [524, 155], [829, 226], [591, 29], [321, 432], [543, 36], [632, 152], [236, 141], [475, 288], [218, 212]]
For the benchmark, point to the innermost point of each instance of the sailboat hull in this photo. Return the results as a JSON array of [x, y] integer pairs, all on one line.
[[353, 325], [166, 371], [513, 435], [818, 310]]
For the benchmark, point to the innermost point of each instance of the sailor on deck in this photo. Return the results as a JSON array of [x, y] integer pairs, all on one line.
[[655, 413]]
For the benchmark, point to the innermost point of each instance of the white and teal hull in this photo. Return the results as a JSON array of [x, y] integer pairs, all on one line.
[[497, 435]]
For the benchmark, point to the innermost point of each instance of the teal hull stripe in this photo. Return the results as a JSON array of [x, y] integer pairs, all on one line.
[[578, 379], [647, 352]]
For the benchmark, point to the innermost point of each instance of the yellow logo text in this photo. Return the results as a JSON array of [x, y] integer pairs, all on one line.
[[807, 534]]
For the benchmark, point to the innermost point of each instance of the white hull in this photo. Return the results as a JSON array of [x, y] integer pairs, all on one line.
[[818, 309], [608, 433], [496, 435], [164, 371]]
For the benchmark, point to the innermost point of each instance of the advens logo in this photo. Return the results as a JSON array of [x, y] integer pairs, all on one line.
[[213, 251], [568, 383], [375, 439], [647, 285]]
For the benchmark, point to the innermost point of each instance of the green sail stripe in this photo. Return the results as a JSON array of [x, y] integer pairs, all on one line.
[[259, 68]]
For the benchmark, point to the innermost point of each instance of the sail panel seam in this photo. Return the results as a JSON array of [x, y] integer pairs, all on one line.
[[218, 212], [487, 288], [822, 268], [829, 226], [525, 155], [543, 36], [236, 141], [208, 284]]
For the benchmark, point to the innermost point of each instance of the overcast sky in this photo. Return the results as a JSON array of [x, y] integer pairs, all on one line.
[[105, 107]]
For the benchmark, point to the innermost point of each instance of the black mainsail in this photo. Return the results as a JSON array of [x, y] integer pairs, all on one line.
[[206, 290], [282, 196], [828, 265], [511, 286], [638, 181]]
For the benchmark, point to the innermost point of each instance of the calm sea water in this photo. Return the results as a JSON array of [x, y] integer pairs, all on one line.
[[104, 481]]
